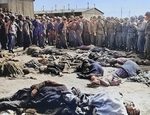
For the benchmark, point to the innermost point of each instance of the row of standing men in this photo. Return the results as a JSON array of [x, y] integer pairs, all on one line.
[[118, 34]]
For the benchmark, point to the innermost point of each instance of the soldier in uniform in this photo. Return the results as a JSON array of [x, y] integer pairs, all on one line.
[[147, 36], [111, 33], [132, 35], [62, 31], [79, 29], [100, 32], [141, 35], [42, 33], [51, 32], [92, 31], [36, 25], [56, 28], [86, 34], [72, 33], [118, 35], [125, 33]]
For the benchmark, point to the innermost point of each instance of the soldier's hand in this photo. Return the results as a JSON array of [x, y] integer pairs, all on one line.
[[34, 92]]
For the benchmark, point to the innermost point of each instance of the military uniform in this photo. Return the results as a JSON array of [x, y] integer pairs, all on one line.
[[118, 35], [51, 33], [92, 32], [86, 34], [62, 29], [132, 35], [141, 34], [111, 33], [124, 34], [42, 35], [79, 29], [35, 32], [147, 34], [100, 32]]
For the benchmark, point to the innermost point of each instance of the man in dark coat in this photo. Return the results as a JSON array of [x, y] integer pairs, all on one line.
[[19, 32], [62, 30], [147, 34], [3, 38], [26, 33]]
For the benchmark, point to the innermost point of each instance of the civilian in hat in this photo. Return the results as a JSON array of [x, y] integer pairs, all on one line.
[[147, 36], [141, 35], [26, 33], [62, 31]]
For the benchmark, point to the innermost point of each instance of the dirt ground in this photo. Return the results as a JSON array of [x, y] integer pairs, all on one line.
[[135, 92]]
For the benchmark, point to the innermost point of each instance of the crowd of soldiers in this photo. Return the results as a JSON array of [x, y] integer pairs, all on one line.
[[128, 34]]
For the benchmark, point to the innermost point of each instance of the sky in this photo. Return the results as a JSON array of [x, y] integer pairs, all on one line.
[[109, 7]]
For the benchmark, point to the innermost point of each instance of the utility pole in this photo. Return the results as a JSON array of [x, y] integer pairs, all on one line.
[[129, 14], [43, 8], [121, 12]]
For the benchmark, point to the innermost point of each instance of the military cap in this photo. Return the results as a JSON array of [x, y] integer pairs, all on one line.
[[12, 15], [75, 19], [132, 18], [126, 19], [108, 18], [7, 17], [80, 16], [141, 17], [51, 19], [2, 15], [27, 17], [44, 19], [20, 16], [36, 15], [47, 18], [58, 19], [99, 17], [147, 14], [64, 18], [112, 17], [94, 17]]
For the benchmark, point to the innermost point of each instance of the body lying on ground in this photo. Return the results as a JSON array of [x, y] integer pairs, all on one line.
[[53, 98], [128, 69]]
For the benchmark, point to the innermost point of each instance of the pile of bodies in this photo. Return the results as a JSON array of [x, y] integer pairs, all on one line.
[[86, 65], [52, 98]]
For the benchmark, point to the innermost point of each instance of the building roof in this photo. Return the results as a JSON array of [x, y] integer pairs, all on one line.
[[65, 11]]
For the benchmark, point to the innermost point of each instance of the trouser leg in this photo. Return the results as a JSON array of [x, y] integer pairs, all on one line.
[[12, 105]]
